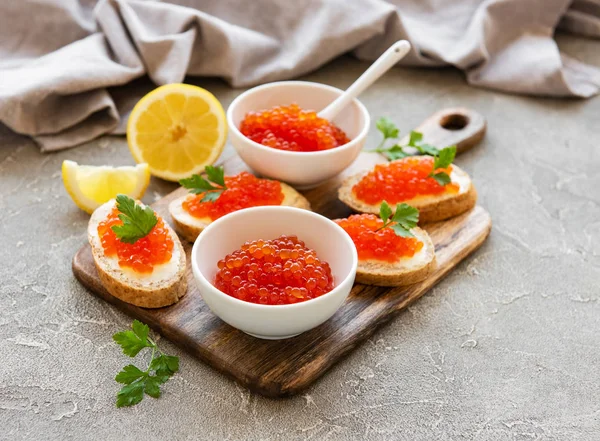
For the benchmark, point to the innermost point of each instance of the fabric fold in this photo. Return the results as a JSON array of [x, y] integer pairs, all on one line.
[[55, 80]]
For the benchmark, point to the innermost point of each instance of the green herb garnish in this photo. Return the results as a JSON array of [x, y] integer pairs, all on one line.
[[212, 188], [160, 368], [387, 128], [137, 221], [443, 160], [401, 221], [389, 131]]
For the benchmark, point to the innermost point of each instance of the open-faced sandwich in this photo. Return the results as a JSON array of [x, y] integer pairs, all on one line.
[[436, 187], [217, 195], [138, 256], [392, 250]]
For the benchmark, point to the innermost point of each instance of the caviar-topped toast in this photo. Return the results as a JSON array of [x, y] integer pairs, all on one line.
[[392, 250], [436, 187], [216, 195], [138, 256]]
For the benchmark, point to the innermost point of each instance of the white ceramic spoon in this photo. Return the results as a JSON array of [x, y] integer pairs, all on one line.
[[395, 53]]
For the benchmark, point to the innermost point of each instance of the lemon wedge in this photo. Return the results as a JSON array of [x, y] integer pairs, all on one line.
[[90, 186], [177, 129]]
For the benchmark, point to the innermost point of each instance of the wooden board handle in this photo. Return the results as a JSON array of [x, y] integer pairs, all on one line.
[[453, 126]]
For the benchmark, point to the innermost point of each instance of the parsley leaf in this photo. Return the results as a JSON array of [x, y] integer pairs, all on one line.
[[129, 374], [131, 394], [401, 231], [196, 184], [385, 211], [165, 365], [395, 152], [137, 221], [415, 138], [443, 160], [445, 157], [141, 330], [403, 220], [441, 178], [152, 386], [387, 128], [427, 149], [211, 196], [216, 174], [415, 141], [138, 382], [130, 343]]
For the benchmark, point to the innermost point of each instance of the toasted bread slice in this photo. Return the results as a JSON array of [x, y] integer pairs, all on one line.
[[189, 227], [431, 208], [164, 286], [407, 271]]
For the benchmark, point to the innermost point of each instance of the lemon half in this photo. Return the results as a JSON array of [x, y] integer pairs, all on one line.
[[177, 129], [90, 186]]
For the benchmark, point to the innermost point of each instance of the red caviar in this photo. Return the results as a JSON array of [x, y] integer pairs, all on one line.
[[400, 181], [274, 272], [243, 191], [380, 245], [153, 249], [291, 128]]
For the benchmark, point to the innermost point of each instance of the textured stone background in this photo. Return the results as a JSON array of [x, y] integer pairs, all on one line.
[[506, 347]]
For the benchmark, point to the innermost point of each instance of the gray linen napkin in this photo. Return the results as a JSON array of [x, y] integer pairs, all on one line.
[[57, 62]]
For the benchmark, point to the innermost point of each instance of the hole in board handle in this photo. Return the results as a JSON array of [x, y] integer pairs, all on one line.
[[454, 121]]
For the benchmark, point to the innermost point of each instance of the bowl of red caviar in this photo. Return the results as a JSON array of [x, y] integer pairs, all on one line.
[[274, 272], [277, 132]]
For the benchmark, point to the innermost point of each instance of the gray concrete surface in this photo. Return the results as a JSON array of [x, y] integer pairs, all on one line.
[[506, 348]]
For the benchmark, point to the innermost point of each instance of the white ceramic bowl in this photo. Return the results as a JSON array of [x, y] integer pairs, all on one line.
[[274, 322], [300, 169]]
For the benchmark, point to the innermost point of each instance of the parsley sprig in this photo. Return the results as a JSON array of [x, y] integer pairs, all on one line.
[[137, 221], [443, 160], [401, 221], [390, 132], [212, 187], [136, 381]]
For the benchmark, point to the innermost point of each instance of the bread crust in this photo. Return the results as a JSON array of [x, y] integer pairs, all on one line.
[[450, 207], [190, 229], [154, 294], [430, 210], [405, 272], [185, 230], [369, 276]]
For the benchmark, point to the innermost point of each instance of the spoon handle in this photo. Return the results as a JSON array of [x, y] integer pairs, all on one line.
[[390, 57]]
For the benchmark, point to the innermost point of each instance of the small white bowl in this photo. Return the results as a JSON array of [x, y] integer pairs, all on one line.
[[274, 322], [300, 169]]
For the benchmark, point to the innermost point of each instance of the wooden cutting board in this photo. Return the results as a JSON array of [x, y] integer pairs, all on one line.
[[285, 367]]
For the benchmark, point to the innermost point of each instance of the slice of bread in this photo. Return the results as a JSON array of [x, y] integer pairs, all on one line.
[[163, 287], [189, 227], [431, 208], [406, 271]]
